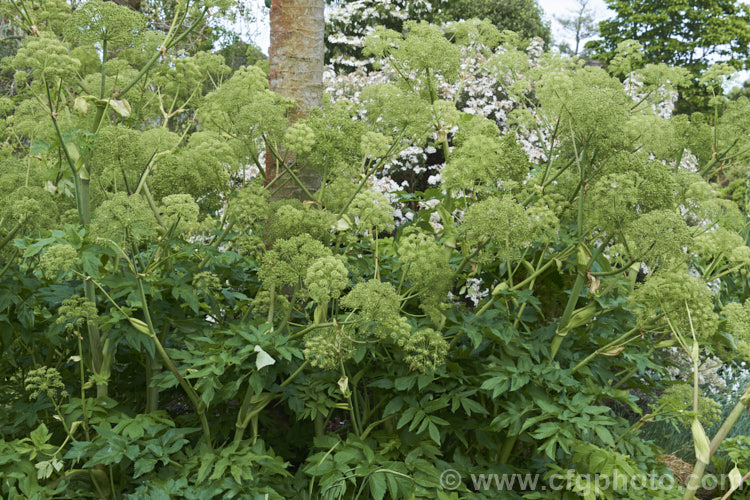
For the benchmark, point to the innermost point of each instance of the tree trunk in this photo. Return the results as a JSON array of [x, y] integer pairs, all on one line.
[[295, 57]]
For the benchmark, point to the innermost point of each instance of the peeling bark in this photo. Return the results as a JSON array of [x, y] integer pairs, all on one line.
[[296, 58]]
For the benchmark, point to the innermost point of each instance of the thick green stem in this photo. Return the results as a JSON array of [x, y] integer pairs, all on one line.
[[104, 75], [153, 367], [152, 393], [89, 290], [95, 343], [627, 375], [505, 451], [594, 354], [217, 242], [721, 434], [168, 44], [66, 153], [562, 255], [575, 293], [187, 387], [152, 206], [252, 405], [11, 234], [242, 420], [320, 425], [297, 181], [83, 386], [353, 409], [465, 261]]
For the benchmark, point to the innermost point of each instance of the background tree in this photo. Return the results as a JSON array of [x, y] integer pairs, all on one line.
[[525, 17], [687, 33], [10, 40], [738, 91], [581, 24], [240, 53]]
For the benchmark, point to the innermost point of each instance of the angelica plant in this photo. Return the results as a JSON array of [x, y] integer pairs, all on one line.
[[502, 241]]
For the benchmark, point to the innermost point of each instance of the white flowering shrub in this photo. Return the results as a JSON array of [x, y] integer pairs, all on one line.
[[349, 22]]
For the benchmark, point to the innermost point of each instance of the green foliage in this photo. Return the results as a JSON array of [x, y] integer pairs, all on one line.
[[169, 328], [524, 17], [580, 24], [673, 37], [669, 18]]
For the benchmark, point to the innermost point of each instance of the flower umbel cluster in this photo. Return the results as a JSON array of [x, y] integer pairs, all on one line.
[[124, 217], [76, 311], [372, 211], [664, 300], [45, 380], [288, 261], [326, 279], [58, 259], [678, 399], [425, 349], [181, 211], [206, 281], [328, 347], [374, 144], [738, 323], [299, 139]]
